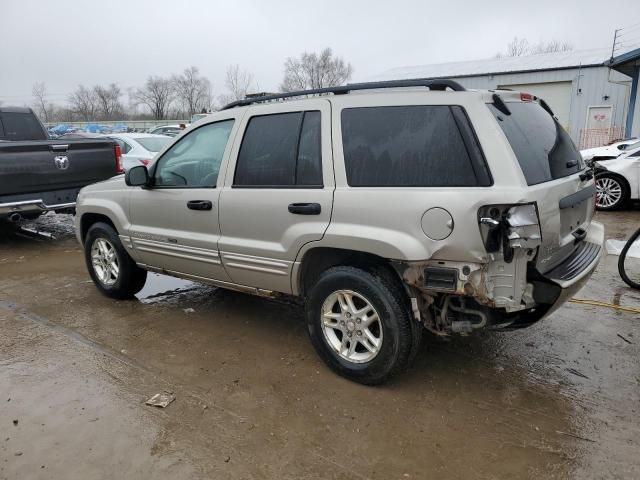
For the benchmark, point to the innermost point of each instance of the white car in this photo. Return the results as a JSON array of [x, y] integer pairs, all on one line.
[[618, 179], [610, 151], [170, 130], [138, 148]]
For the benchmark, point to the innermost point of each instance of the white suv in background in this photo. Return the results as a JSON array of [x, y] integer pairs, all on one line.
[[387, 207]]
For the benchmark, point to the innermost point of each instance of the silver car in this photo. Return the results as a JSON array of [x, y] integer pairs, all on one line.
[[388, 207]]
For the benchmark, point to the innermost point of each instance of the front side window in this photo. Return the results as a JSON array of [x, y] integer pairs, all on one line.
[[281, 150], [194, 161], [411, 146]]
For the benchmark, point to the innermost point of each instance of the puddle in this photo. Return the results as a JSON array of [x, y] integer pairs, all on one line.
[[159, 286]]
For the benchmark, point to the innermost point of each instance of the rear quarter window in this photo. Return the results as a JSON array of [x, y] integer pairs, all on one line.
[[411, 146]]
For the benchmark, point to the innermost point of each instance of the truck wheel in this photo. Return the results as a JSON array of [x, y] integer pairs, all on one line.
[[360, 325], [611, 192], [111, 268]]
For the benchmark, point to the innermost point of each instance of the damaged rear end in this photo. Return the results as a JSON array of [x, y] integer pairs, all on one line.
[[540, 250]]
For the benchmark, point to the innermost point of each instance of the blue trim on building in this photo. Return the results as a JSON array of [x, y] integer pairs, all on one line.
[[632, 101]]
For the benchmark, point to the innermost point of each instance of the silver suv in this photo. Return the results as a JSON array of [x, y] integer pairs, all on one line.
[[388, 207]]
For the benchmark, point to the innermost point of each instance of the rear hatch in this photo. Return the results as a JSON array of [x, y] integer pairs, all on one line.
[[31, 166], [554, 171]]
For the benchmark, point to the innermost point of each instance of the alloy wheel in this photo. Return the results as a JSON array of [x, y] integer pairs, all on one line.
[[351, 326], [608, 192], [105, 261]]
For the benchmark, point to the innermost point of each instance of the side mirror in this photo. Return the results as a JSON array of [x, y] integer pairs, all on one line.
[[137, 176]]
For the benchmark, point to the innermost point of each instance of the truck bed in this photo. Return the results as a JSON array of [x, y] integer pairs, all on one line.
[[40, 175]]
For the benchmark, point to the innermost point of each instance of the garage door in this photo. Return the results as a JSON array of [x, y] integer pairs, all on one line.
[[556, 94]]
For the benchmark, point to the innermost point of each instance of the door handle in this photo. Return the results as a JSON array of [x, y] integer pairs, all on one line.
[[199, 205], [305, 208]]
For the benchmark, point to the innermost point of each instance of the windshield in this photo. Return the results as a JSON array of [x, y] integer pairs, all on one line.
[[153, 144], [543, 148]]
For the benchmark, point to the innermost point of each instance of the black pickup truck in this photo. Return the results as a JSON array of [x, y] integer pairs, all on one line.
[[38, 174]]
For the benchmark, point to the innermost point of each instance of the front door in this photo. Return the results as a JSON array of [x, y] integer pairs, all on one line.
[[175, 221], [278, 192]]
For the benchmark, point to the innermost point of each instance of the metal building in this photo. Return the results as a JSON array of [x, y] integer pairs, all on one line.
[[592, 94]]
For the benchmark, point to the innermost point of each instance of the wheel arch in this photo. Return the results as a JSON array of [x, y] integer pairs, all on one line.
[[89, 219], [317, 259]]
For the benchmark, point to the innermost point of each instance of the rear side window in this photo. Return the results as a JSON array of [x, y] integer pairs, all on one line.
[[281, 150], [20, 126], [411, 146], [544, 149]]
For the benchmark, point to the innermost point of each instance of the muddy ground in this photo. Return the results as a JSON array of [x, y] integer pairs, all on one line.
[[253, 401]]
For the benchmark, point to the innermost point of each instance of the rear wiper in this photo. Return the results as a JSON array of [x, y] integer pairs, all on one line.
[[500, 105], [546, 106]]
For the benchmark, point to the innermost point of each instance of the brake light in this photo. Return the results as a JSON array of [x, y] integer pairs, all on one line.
[[527, 97], [508, 226], [118, 152], [144, 162]]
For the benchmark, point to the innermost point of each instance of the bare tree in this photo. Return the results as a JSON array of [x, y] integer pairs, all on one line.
[[521, 46], [42, 107], [238, 83], [192, 90], [108, 101], [314, 70], [551, 46], [157, 94], [84, 103]]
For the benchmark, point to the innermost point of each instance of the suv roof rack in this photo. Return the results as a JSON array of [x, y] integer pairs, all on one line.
[[432, 84]]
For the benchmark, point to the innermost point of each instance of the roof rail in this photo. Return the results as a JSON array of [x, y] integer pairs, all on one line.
[[432, 84]]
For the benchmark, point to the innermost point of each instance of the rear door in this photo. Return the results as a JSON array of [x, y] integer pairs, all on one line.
[[551, 165], [174, 224], [278, 192]]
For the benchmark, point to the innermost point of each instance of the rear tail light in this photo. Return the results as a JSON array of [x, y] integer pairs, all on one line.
[[144, 162], [527, 97], [118, 152], [509, 226]]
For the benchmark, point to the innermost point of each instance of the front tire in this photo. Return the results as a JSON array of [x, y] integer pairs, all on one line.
[[360, 324], [612, 192], [111, 268]]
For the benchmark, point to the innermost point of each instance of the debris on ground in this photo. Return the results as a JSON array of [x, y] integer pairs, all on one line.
[[575, 436], [188, 310], [161, 400], [625, 339], [15, 422], [576, 372]]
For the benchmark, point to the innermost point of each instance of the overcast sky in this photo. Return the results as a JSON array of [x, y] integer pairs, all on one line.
[[65, 43]]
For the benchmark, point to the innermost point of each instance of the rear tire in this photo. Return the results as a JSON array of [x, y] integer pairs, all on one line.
[[359, 322], [612, 192], [111, 268]]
